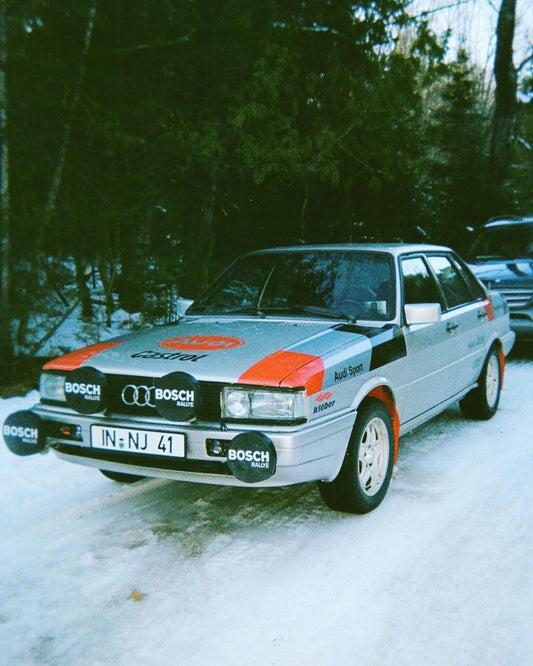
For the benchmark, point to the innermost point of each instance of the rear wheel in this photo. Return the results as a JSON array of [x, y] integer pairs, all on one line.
[[482, 402], [366, 471], [120, 477]]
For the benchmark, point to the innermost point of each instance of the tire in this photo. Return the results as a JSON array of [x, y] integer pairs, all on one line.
[[482, 402], [120, 477], [365, 475]]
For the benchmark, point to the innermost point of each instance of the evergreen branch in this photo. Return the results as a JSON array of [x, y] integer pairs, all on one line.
[[428, 12], [154, 45]]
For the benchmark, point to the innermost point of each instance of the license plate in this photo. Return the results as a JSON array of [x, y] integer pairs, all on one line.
[[128, 440]]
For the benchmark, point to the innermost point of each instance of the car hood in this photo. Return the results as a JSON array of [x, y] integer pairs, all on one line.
[[247, 350], [500, 274]]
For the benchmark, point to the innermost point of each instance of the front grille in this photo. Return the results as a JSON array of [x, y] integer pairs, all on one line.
[[517, 298], [209, 410]]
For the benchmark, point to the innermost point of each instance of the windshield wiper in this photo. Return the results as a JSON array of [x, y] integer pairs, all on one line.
[[214, 312], [245, 309], [319, 311]]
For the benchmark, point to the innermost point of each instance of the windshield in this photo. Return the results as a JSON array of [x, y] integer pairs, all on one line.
[[509, 242], [339, 284]]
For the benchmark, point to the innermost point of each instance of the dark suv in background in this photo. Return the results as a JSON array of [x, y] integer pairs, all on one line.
[[501, 256]]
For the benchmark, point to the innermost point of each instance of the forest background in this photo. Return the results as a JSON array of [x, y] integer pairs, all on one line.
[[146, 143]]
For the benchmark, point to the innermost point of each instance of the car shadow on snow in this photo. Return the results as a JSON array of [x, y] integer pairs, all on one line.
[[197, 517], [522, 351]]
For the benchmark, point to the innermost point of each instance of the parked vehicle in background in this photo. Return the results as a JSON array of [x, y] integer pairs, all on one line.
[[297, 364], [501, 256]]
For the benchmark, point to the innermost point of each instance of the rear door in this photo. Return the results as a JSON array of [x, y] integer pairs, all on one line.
[[466, 314], [431, 354]]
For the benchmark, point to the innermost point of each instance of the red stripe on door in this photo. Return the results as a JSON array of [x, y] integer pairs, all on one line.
[[487, 306], [287, 368], [77, 358]]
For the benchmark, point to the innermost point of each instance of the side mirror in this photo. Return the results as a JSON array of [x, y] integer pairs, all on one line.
[[422, 313]]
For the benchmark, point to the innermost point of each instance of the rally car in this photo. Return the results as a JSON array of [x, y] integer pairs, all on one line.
[[297, 364]]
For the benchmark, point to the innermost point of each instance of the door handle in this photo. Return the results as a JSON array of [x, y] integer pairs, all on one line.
[[481, 314], [450, 328]]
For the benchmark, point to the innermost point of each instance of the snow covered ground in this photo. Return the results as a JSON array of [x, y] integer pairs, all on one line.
[[93, 573]]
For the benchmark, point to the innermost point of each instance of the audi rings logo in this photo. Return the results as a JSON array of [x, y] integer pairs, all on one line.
[[138, 396]]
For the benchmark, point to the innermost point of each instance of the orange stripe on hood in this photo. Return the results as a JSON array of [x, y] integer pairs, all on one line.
[[75, 359], [287, 368]]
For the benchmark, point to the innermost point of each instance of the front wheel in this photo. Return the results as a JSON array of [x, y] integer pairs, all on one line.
[[366, 471], [482, 402]]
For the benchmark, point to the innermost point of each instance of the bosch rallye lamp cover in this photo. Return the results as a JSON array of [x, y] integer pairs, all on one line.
[[297, 364]]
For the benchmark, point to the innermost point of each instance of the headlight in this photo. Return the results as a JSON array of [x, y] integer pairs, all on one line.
[[261, 405], [51, 387]]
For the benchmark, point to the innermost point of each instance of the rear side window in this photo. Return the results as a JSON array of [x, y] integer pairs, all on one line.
[[418, 284], [476, 288], [454, 286]]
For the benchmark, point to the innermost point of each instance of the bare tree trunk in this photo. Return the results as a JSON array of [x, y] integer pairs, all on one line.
[[505, 109], [84, 293], [207, 235], [57, 178], [198, 246], [6, 344], [303, 211]]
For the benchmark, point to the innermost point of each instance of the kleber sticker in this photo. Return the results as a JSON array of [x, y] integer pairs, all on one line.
[[252, 457], [75, 359], [177, 396], [86, 390], [323, 402], [202, 343]]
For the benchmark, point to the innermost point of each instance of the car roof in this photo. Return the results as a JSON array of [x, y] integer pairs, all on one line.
[[508, 222], [395, 249]]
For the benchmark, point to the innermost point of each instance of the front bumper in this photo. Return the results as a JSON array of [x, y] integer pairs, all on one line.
[[308, 452]]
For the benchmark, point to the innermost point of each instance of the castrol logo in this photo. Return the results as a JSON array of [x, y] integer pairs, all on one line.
[[202, 343]]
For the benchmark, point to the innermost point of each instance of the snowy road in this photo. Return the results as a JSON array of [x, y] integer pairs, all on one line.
[[167, 573]]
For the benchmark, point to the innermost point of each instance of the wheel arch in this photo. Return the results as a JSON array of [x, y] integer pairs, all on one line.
[[497, 344], [501, 355], [382, 392]]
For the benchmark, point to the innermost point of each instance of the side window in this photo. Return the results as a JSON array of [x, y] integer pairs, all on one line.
[[418, 284], [456, 290], [477, 289]]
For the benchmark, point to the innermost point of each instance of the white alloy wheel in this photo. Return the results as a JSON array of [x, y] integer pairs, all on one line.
[[492, 380], [373, 456], [365, 475], [482, 402]]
